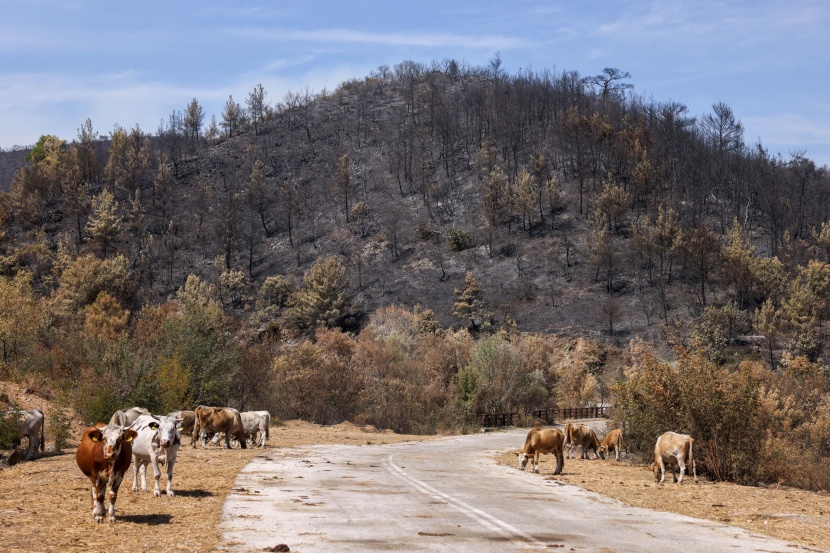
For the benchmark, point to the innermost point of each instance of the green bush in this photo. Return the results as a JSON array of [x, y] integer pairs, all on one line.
[[8, 431], [59, 428]]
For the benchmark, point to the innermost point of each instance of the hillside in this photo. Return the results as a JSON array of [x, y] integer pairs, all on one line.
[[541, 188]]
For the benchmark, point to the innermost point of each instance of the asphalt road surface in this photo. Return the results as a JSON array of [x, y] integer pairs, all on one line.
[[446, 495]]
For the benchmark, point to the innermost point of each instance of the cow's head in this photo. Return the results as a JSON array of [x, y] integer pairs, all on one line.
[[113, 437], [522, 460], [601, 451], [167, 432]]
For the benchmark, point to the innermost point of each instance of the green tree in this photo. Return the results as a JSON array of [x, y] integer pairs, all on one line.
[[21, 317], [104, 224], [322, 299]]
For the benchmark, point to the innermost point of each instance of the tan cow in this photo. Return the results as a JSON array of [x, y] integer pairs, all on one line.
[[584, 436], [612, 442], [542, 440], [104, 455], [673, 448], [218, 419]]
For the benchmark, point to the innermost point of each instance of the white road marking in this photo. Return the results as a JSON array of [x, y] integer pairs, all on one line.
[[485, 519]]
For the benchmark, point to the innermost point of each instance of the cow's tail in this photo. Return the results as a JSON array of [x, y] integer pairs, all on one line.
[[268, 427], [692, 457], [42, 425]]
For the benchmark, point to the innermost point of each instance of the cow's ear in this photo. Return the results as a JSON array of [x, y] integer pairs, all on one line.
[[129, 435], [96, 435], [153, 425]]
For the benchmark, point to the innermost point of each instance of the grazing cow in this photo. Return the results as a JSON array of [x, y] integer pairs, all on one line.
[[104, 455], [185, 427], [218, 419], [611, 442], [257, 422], [542, 440], [584, 436], [125, 417], [673, 448], [31, 427], [157, 444]]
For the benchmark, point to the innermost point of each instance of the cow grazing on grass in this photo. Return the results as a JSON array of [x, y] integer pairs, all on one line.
[[30, 425], [104, 455], [157, 444], [188, 418], [125, 417], [218, 419], [257, 422], [672, 448], [543, 440], [584, 436], [611, 442]]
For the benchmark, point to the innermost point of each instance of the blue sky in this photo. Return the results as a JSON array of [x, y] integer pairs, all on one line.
[[131, 63]]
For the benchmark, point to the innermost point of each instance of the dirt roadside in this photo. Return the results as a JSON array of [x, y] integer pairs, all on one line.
[[786, 513]]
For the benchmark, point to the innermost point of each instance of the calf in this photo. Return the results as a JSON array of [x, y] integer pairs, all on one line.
[[104, 455], [670, 448], [157, 443], [612, 442], [542, 440], [584, 436]]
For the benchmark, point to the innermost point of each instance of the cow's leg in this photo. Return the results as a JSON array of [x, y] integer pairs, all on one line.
[[203, 438], [135, 473], [170, 477], [116, 482], [157, 474], [560, 462], [682, 466], [98, 489], [662, 467], [536, 462], [143, 471], [228, 440]]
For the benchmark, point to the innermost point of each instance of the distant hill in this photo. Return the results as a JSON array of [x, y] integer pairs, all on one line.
[[11, 161]]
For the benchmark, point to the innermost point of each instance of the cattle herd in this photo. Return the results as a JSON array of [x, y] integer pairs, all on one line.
[[135, 436], [671, 449]]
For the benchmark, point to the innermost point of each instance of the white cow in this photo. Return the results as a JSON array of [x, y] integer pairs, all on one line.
[[257, 422], [670, 448], [30, 426], [157, 444]]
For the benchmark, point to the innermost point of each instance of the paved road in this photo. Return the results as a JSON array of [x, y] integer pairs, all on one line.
[[445, 495]]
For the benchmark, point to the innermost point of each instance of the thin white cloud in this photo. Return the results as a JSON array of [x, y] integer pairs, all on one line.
[[787, 129], [346, 36]]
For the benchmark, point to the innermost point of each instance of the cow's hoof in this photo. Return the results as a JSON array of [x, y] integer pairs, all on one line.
[[156, 493], [135, 488]]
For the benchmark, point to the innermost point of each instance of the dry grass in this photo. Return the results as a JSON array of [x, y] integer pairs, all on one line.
[[46, 505], [786, 513]]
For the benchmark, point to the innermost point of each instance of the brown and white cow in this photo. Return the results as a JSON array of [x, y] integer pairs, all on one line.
[[218, 419], [584, 436], [612, 442], [157, 444], [543, 440], [125, 417], [104, 455], [185, 427], [672, 448]]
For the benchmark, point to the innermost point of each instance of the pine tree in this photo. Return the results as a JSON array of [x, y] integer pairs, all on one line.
[[105, 223], [322, 299], [469, 304]]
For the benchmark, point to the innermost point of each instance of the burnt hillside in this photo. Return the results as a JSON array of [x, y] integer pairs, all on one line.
[[574, 203]]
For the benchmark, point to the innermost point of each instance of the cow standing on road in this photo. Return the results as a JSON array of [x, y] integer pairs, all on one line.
[[104, 455]]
